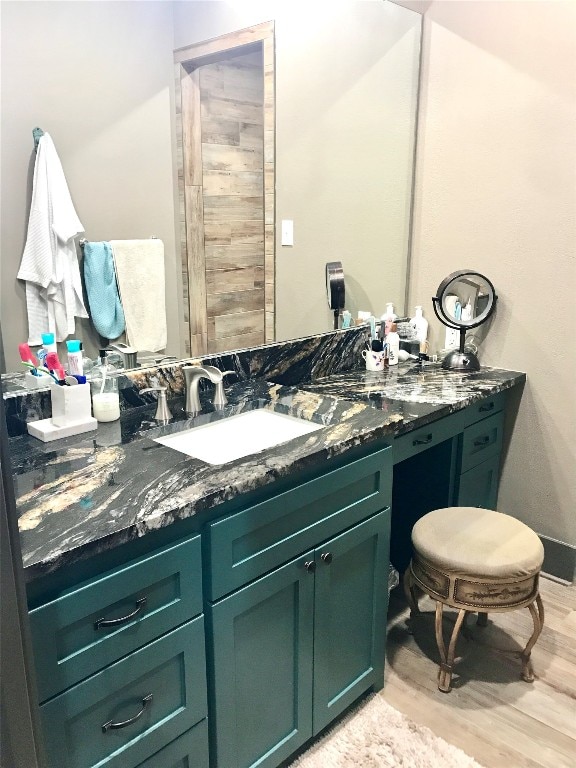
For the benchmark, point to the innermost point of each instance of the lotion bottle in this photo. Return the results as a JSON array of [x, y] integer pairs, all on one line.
[[420, 325], [388, 318]]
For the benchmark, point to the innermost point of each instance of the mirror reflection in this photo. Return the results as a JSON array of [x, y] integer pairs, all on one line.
[[345, 90], [466, 299]]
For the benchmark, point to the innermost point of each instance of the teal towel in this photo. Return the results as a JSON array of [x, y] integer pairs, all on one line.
[[106, 310]]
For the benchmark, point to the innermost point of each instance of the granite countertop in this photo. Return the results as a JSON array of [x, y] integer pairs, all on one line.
[[79, 496]]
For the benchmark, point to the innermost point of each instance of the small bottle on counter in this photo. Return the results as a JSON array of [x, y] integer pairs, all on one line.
[[104, 388], [393, 342], [49, 342], [388, 318], [420, 326], [75, 360]]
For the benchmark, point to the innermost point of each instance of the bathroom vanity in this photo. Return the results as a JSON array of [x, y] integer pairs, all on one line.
[[186, 614]]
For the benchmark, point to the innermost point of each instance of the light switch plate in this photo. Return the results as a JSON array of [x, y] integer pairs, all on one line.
[[287, 232]]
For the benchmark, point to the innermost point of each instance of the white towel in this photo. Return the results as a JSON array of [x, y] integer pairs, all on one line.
[[140, 274], [49, 262]]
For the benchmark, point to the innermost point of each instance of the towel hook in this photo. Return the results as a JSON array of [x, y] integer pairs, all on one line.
[[37, 134]]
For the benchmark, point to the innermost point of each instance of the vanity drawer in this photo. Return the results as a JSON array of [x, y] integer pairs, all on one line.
[[122, 715], [246, 545], [426, 437], [484, 408], [188, 751], [98, 622], [482, 441]]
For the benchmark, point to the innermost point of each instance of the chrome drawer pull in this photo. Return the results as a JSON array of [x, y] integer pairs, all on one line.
[[481, 441], [123, 619], [423, 440], [486, 407], [111, 725]]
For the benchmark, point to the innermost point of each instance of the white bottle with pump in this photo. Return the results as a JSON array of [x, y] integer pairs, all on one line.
[[388, 318], [420, 326], [393, 342]]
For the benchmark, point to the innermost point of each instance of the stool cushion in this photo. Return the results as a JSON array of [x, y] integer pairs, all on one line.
[[478, 543]]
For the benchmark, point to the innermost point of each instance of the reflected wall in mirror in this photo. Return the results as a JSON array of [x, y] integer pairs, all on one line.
[[99, 77], [467, 299]]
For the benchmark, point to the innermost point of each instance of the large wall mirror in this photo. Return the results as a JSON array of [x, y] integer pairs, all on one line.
[[99, 76]]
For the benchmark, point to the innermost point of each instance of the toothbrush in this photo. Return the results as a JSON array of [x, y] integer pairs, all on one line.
[[26, 356], [40, 371]]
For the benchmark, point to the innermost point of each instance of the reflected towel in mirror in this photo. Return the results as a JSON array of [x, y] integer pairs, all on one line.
[[49, 262], [140, 274], [106, 310]]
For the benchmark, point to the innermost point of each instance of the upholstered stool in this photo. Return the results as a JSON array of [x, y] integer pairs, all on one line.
[[475, 560]]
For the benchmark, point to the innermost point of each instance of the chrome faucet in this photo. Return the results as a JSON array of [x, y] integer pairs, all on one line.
[[192, 375], [129, 354]]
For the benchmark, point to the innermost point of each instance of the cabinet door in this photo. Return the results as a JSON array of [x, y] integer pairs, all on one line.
[[479, 486], [351, 602], [260, 670]]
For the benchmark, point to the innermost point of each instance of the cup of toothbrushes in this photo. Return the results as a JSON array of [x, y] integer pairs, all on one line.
[[374, 360], [105, 397]]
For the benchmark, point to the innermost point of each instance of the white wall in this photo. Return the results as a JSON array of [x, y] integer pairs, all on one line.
[[97, 76], [496, 192]]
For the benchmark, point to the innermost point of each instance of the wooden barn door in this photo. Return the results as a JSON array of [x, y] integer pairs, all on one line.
[[227, 189]]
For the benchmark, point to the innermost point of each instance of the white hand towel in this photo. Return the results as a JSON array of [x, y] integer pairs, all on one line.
[[140, 274], [49, 262]]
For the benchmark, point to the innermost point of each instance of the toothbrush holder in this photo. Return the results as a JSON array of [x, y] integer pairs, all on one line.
[[70, 405]]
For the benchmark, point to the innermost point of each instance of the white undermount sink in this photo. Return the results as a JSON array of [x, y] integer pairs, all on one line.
[[236, 436]]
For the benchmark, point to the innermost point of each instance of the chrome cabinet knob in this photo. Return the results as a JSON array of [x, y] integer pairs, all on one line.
[[326, 557], [310, 566]]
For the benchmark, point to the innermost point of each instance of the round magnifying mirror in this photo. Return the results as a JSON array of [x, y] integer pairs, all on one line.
[[465, 299]]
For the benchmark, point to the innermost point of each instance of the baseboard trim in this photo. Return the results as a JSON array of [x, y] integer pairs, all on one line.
[[559, 560]]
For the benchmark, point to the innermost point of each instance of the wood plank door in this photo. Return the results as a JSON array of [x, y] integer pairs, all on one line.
[[227, 185]]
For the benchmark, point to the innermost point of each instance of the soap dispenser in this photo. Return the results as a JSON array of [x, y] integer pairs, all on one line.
[[388, 317], [420, 326], [105, 396]]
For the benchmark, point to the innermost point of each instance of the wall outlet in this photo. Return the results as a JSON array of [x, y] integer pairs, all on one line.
[[452, 340]]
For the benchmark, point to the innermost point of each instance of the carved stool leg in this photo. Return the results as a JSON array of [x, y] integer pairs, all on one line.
[[466, 631], [538, 619], [410, 592], [482, 620], [447, 659]]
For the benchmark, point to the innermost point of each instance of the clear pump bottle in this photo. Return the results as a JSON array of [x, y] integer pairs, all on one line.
[[104, 388]]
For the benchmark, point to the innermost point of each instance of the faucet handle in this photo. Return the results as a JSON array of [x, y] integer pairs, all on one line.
[[162, 411], [220, 398]]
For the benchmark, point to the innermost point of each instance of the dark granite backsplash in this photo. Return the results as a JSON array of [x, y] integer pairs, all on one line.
[[297, 361]]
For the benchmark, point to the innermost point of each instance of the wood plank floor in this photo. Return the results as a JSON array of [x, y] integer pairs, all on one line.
[[491, 713]]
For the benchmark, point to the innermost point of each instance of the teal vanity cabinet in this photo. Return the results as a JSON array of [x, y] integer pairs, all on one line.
[[120, 662], [480, 453], [232, 638], [297, 614]]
